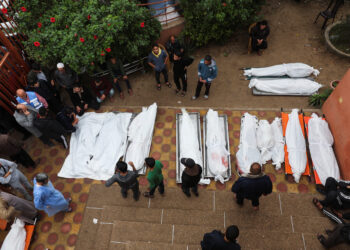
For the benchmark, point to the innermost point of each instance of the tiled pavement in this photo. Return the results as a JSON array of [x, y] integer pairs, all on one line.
[[60, 232]]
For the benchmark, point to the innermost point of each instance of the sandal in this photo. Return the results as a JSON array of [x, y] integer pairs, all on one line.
[[168, 84], [159, 87], [183, 94], [321, 238], [121, 95], [177, 91], [317, 203]]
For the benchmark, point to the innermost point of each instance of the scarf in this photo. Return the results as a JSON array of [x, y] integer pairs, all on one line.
[[160, 52]]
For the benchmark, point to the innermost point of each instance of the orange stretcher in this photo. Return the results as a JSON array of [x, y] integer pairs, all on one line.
[[30, 231], [3, 224], [287, 167]]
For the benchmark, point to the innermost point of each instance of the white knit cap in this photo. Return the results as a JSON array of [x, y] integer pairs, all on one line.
[[60, 65]]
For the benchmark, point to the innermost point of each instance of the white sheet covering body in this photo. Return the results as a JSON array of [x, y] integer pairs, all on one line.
[[96, 146], [296, 145], [322, 154], [140, 135], [278, 148], [216, 150], [189, 143], [285, 85], [265, 140], [289, 69], [248, 151], [16, 238]]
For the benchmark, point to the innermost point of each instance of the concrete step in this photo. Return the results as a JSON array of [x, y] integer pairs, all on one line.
[[151, 246]]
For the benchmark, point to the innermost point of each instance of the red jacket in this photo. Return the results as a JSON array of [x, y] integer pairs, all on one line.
[[105, 86]]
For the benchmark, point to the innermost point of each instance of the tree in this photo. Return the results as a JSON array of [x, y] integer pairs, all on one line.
[[82, 33]]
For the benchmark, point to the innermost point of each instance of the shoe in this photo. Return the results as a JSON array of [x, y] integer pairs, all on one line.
[[124, 195], [183, 94], [50, 144], [147, 194], [177, 91], [69, 210], [137, 197], [130, 92], [194, 97], [206, 97], [186, 193], [196, 194], [69, 200]]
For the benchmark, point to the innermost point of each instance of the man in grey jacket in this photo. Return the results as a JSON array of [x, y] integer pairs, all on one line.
[[9, 174], [126, 179]]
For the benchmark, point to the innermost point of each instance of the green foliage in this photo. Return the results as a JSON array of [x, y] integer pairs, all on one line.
[[85, 30], [318, 99], [216, 20]]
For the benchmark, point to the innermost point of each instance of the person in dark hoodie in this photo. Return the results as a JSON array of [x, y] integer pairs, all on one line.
[[67, 118], [82, 99], [259, 36], [50, 128], [173, 45], [158, 59], [180, 71], [190, 176], [216, 240], [251, 186]]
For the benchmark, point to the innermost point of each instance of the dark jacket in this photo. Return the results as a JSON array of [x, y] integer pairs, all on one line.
[[85, 97], [191, 181], [66, 120], [215, 241], [251, 188], [105, 86], [116, 69], [158, 62], [179, 66], [66, 79], [9, 146], [257, 33], [125, 182], [172, 47], [44, 90], [49, 127]]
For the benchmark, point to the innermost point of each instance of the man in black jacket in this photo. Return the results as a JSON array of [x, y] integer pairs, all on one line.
[[50, 128], [216, 240], [173, 45], [259, 36], [190, 176], [126, 179], [82, 99], [251, 186], [180, 71]]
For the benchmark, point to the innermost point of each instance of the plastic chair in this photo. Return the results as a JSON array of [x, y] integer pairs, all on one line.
[[330, 13], [250, 37]]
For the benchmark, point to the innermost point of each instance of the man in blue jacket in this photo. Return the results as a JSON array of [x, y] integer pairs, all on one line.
[[251, 186], [207, 72], [158, 59]]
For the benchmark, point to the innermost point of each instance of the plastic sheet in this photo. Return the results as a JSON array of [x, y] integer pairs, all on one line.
[[296, 145], [285, 85], [248, 151], [278, 148], [288, 69], [265, 140], [15, 239], [216, 150], [322, 154]]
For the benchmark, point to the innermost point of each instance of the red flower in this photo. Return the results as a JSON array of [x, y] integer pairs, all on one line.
[[75, 34], [88, 17], [36, 44], [224, 4], [108, 49], [92, 63], [40, 24], [4, 11], [95, 37], [102, 53], [52, 19], [142, 25], [82, 39], [109, 24], [24, 9]]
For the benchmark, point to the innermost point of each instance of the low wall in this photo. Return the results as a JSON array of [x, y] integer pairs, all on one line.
[[337, 111]]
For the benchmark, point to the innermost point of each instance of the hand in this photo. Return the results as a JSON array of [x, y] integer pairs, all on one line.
[[103, 97], [86, 106], [234, 195], [52, 83], [125, 77], [47, 206], [7, 174], [131, 163], [204, 81], [75, 122], [115, 80], [78, 109]]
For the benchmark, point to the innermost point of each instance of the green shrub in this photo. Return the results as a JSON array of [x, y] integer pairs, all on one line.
[[84, 32], [318, 99], [216, 20]]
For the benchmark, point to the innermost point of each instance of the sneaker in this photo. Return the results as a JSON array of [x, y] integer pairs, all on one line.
[[194, 97], [206, 97]]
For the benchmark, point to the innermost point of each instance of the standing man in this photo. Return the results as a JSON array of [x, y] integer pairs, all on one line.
[[154, 177], [9, 174], [82, 99], [47, 198], [12, 148], [207, 72], [50, 128], [180, 72], [116, 68], [251, 186], [259, 36], [126, 179], [65, 77], [158, 59], [173, 45], [190, 176], [102, 89], [216, 240], [31, 98]]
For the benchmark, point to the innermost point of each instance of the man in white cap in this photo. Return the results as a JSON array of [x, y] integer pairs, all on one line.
[[65, 77]]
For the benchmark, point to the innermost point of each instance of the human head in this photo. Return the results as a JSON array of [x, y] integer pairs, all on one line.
[[113, 59], [207, 59], [68, 110], [42, 178], [150, 162], [122, 166], [231, 234], [21, 93], [172, 39], [98, 81], [36, 67], [263, 24], [43, 111], [255, 168], [60, 67], [32, 79], [76, 88], [155, 48], [188, 162], [22, 108], [177, 55]]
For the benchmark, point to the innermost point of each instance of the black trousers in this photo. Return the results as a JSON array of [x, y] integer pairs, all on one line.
[[240, 198], [199, 88], [335, 236], [23, 158], [183, 78], [186, 189], [160, 188], [92, 104], [135, 189], [165, 74], [117, 85], [256, 46]]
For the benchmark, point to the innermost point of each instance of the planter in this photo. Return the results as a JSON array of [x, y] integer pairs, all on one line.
[[334, 83], [329, 37]]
